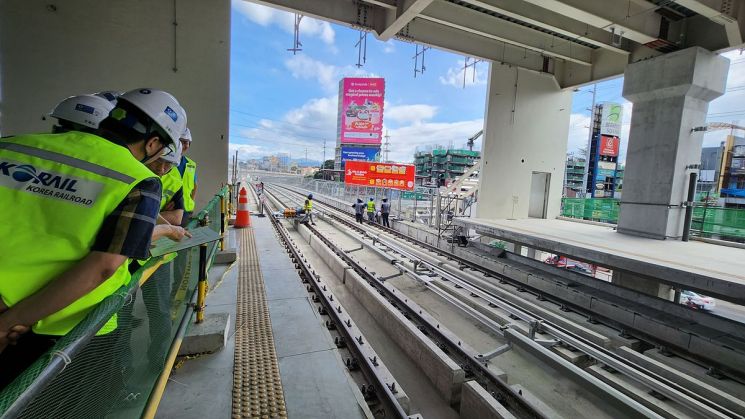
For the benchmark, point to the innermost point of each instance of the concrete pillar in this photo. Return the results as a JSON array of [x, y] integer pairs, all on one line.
[[526, 126], [671, 95]]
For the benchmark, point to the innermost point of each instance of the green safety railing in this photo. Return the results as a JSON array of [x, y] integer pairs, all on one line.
[[113, 375], [707, 221], [596, 209]]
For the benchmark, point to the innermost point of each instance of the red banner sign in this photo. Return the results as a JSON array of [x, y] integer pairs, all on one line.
[[381, 175], [609, 146]]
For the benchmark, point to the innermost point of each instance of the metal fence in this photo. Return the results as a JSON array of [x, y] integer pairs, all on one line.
[[85, 375], [420, 206]]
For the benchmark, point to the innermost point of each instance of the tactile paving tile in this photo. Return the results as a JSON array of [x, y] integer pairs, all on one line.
[[257, 386]]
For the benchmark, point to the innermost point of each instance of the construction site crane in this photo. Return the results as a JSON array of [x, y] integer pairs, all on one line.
[[473, 139], [716, 126]]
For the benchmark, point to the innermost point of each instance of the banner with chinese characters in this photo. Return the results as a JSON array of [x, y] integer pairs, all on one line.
[[381, 175]]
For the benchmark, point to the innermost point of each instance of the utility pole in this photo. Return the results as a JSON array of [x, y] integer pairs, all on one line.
[[323, 162], [589, 141], [387, 146]]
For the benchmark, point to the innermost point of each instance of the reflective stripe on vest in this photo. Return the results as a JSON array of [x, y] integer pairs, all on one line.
[[171, 184], [188, 179], [370, 206], [62, 187]]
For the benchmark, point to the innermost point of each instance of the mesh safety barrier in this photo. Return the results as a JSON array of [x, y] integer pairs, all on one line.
[[711, 222], [721, 223], [598, 209], [111, 376]]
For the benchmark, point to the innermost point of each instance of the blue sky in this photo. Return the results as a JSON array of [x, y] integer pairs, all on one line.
[[282, 102], [285, 103]]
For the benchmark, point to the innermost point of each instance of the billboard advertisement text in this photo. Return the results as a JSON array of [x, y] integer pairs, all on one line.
[[381, 175], [609, 146], [361, 110], [360, 153]]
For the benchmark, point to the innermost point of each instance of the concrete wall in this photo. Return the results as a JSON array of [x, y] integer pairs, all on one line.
[[526, 127], [49, 51]]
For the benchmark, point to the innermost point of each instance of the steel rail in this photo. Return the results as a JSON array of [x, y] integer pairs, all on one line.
[[335, 311], [682, 395]]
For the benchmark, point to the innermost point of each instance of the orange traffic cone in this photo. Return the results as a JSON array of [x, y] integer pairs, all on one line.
[[243, 217]]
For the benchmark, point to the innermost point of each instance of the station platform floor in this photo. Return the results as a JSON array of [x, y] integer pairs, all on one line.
[[284, 330], [711, 269]]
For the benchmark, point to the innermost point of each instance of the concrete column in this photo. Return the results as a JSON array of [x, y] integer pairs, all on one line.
[[526, 126], [671, 95]]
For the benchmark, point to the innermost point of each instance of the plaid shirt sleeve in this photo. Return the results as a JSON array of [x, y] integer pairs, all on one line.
[[128, 229], [178, 199]]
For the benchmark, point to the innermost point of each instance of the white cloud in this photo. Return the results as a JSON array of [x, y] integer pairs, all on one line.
[[405, 140], [389, 47], [266, 16], [474, 74], [245, 151], [303, 67], [308, 125], [409, 113]]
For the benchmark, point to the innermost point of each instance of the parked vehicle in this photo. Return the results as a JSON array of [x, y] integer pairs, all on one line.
[[697, 301]]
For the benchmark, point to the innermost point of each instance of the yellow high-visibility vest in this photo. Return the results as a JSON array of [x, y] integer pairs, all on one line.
[[58, 190]]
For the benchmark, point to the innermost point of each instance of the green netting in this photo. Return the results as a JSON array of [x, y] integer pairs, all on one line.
[[712, 222], [112, 376], [721, 223], [598, 209]]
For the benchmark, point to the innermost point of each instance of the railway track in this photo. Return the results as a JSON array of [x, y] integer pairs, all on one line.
[[427, 263]]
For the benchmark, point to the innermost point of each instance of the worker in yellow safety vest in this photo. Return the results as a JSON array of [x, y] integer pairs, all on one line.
[[371, 210], [172, 197], [188, 170], [81, 204], [308, 209]]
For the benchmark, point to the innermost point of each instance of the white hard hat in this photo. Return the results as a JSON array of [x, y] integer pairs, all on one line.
[[172, 153], [110, 95], [186, 135], [161, 107], [85, 110]]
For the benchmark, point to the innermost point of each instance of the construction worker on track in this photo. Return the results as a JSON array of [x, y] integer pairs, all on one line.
[[308, 208], [359, 210], [385, 209], [371, 210], [82, 204]]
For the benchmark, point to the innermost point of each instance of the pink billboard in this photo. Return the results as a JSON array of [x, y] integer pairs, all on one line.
[[361, 110]]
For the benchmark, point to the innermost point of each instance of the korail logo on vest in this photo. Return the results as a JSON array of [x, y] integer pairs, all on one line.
[[25, 177]]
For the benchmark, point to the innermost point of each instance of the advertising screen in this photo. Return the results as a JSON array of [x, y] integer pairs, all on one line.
[[382, 175], [361, 110], [360, 153], [609, 146]]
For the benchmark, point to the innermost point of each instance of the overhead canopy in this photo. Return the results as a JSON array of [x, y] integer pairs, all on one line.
[[578, 41]]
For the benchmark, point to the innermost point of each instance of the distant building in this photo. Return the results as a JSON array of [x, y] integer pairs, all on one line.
[[573, 176], [723, 172], [604, 145], [439, 166], [283, 162]]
